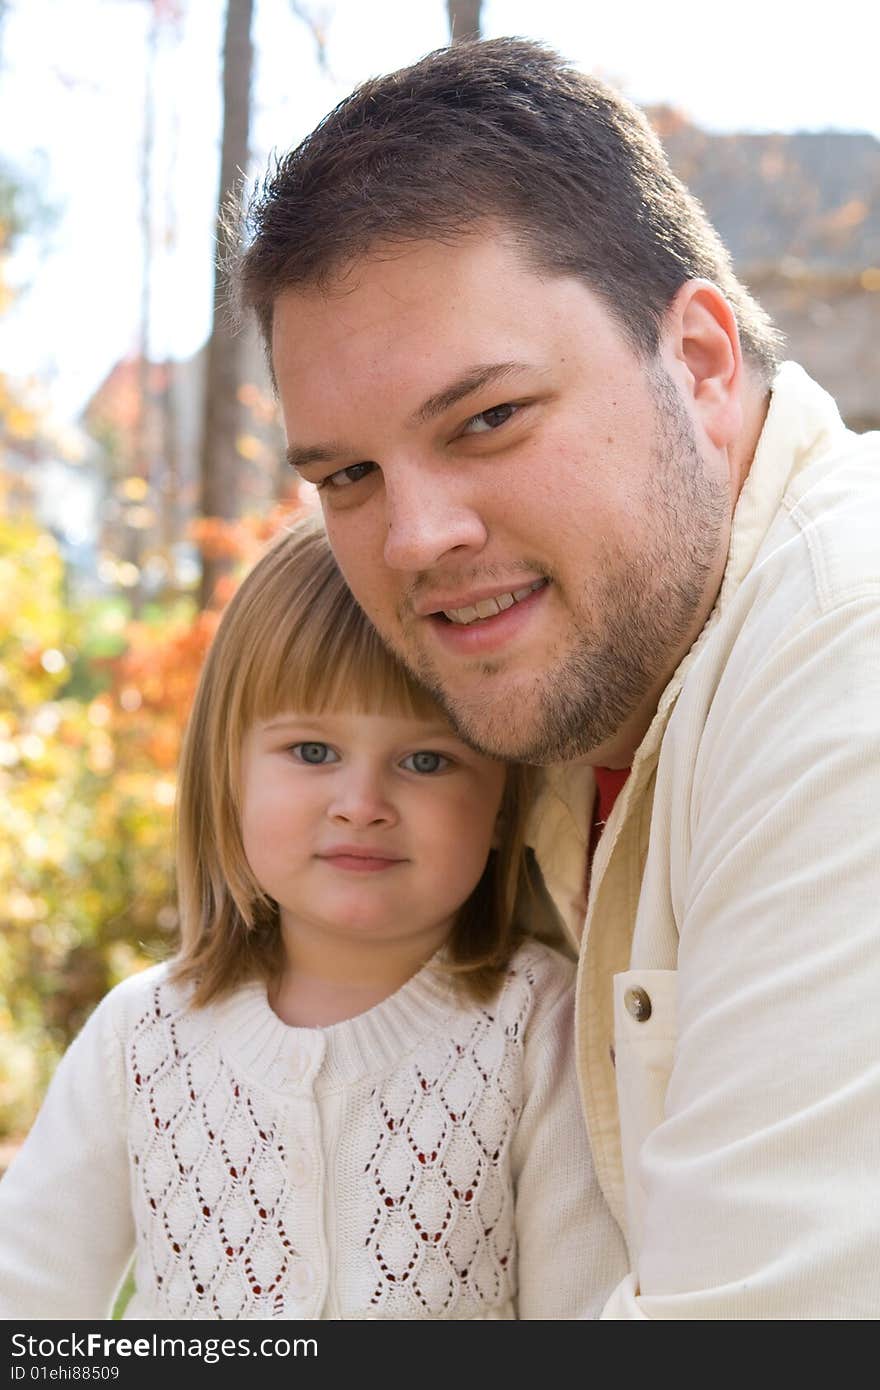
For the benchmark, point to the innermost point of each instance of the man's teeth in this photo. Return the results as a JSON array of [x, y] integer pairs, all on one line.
[[488, 607]]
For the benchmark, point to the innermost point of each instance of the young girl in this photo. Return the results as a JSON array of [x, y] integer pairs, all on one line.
[[352, 1093]]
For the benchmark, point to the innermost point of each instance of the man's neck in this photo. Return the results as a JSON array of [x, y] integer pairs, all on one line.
[[755, 404]]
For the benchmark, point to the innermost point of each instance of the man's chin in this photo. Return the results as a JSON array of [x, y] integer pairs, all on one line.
[[530, 726], [493, 730], [477, 723], [504, 717]]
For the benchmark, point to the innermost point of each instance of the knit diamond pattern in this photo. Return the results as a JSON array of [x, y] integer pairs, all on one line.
[[441, 1241], [212, 1194], [421, 1176]]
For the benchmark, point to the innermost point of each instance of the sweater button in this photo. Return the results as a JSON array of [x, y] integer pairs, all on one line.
[[300, 1169], [302, 1277], [299, 1063], [305, 1058], [638, 1004]]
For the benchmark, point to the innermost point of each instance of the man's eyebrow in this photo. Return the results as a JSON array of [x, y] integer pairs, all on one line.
[[471, 380], [299, 456]]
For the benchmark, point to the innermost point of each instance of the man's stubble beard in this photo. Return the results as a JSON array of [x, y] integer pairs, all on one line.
[[648, 603]]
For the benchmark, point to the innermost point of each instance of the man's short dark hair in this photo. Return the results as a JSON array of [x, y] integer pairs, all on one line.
[[497, 129]]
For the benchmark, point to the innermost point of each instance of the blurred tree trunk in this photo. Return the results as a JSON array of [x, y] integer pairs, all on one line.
[[144, 429], [168, 479], [220, 464], [464, 19]]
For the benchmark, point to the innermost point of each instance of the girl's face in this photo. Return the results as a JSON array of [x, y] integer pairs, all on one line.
[[367, 825]]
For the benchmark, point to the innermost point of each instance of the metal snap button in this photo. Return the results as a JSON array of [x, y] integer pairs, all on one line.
[[638, 1004]]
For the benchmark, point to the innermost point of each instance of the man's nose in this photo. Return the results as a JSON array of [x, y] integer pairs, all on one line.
[[360, 799], [428, 516]]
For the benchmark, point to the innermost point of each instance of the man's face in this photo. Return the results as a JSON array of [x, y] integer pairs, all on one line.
[[517, 500]]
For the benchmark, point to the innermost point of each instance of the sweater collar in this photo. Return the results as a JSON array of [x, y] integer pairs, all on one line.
[[257, 1043]]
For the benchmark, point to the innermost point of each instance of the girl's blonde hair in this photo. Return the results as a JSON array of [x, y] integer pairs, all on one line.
[[293, 638]]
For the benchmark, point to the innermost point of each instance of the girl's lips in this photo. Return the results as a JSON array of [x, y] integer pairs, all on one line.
[[360, 863]]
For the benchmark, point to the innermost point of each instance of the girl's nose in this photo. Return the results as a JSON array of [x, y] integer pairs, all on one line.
[[360, 800]]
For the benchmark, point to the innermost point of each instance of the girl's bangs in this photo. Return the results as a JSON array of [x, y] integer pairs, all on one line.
[[340, 665]]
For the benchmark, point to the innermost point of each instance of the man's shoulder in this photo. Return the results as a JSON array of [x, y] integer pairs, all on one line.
[[808, 514], [819, 552], [801, 619], [835, 507]]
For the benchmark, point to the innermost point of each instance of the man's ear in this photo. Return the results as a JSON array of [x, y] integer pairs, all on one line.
[[701, 351]]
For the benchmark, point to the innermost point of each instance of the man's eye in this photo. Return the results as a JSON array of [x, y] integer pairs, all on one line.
[[423, 761], [489, 420], [314, 753], [344, 477]]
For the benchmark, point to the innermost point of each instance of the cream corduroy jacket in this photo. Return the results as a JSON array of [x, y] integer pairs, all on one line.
[[728, 1025]]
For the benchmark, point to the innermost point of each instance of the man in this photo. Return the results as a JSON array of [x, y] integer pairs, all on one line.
[[564, 474]]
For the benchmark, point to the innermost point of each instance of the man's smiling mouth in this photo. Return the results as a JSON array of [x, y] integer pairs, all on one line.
[[490, 607]]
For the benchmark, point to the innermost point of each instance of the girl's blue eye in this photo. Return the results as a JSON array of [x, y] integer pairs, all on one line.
[[315, 753], [423, 761]]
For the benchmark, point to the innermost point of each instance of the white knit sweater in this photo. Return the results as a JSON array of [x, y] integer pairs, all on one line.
[[424, 1160]]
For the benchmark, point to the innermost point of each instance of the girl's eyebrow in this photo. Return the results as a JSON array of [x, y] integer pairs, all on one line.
[[426, 732], [438, 731], [285, 720]]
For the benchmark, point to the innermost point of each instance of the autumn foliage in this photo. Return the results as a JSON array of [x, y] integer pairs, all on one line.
[[92, 710]]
